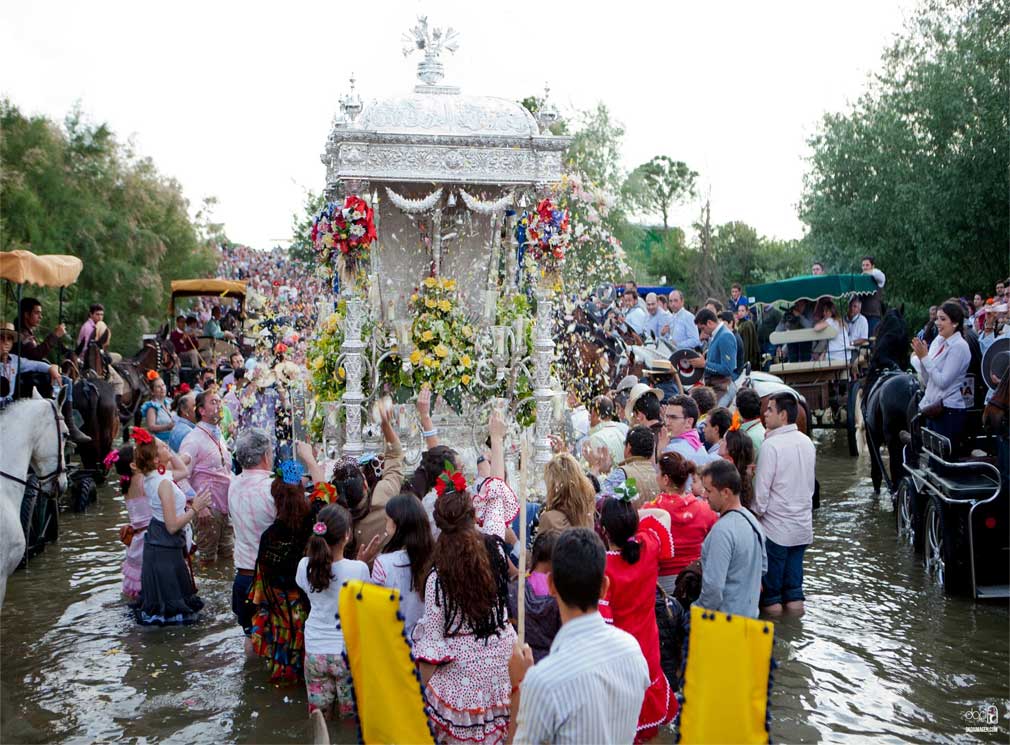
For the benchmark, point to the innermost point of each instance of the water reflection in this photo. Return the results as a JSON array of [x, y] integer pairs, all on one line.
[[880, 652]]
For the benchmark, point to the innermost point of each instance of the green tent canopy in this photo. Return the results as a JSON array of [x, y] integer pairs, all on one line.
[[811, 287]]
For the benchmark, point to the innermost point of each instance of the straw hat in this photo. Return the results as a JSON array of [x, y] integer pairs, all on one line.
[[639, 390], [659, 367], [7, 329]]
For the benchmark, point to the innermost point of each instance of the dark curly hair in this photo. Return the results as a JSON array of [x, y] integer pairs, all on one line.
[[471, 570], [352, 491], [741, 449], [431, 467], [676, 467]]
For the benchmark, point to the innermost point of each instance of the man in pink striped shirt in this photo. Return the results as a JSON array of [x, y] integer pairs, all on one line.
[[210, 468]]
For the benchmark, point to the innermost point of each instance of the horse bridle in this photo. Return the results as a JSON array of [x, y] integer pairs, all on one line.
[[43, 480]]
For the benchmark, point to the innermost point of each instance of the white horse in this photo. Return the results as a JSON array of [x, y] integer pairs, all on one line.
[[32, 432]]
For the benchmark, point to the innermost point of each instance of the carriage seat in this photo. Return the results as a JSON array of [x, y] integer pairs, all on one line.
[[957, 479], [964, 483], [809, 366]]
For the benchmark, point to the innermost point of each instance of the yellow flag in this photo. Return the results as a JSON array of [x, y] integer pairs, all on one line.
[[726, 679], [387, 689]]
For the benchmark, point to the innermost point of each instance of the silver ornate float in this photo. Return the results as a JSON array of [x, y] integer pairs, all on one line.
[[450, 167]]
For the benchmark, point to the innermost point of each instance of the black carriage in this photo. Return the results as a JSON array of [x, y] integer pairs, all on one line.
[[830, 388], [956, 512]]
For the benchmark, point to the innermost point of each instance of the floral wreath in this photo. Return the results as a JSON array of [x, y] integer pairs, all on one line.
[[449, 481], [546, 233]]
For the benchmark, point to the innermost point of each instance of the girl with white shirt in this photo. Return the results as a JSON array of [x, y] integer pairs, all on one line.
[[320, 575], [404, 562], [942, 367], [167, 593], [826, 316]]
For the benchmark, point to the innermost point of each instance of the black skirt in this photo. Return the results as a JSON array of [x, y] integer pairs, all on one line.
[[167, 593]]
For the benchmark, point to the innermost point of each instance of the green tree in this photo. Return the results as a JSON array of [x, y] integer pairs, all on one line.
[[76, 190], [301, 227], [917, 172], [659, 184], [595, 152]]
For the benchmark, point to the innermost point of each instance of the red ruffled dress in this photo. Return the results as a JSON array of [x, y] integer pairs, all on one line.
[[631, 605]]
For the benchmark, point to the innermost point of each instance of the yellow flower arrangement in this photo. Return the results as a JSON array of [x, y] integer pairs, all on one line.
[[443, 340]]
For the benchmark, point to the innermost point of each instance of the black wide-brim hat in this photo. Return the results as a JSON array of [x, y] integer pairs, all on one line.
[[995, 361], [689, 375]]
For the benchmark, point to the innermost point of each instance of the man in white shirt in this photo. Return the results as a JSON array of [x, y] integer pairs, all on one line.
[[855, 324], [635, 316], [873, 305], [783, 503], [659, 322], [252, 510], [684, 332], [590, 688]]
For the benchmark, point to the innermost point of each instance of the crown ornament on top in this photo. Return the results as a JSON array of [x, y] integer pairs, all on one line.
[[432, 41]]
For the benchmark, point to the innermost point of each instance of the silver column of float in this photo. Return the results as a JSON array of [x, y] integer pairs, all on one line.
[[543, 393]]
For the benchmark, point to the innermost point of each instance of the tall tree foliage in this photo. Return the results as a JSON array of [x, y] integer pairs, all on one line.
[[917, 172], [76, 190], [656, 186], [301, 227]]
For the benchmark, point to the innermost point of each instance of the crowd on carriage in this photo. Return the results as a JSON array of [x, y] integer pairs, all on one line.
[[659, 496]]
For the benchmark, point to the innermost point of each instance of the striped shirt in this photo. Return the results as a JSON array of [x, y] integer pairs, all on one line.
[[589, 689]]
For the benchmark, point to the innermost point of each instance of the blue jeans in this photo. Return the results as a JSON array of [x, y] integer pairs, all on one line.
[[240, 605], [783, 582]]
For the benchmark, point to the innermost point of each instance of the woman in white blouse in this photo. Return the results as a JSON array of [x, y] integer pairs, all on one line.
[[942, 367]]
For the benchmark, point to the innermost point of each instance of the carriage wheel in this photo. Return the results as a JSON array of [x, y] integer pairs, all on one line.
[[935, 545], [904, 521], [852, 406]]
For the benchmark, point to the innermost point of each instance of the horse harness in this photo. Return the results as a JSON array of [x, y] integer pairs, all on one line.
[[43, 480]]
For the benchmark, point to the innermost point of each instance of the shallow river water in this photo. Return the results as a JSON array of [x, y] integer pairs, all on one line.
[[881, 653]]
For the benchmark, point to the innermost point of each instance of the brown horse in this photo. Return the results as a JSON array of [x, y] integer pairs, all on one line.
[[156, 355], [995, 416]]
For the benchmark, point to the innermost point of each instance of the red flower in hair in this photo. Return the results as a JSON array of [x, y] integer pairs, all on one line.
[[449, 481], [184, 388], [152, 375], [141, 436]]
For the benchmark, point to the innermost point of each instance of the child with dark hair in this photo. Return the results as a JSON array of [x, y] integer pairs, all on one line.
[[542, 617], [406, 558], [638, 541], [139, 511], [320, 575]]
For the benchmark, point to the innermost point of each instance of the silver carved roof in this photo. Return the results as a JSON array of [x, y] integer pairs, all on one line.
[[437, 134]]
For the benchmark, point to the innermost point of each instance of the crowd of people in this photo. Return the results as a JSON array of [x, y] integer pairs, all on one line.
[[662, 499]]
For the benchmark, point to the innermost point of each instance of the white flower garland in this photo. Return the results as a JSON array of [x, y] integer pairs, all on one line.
[[415, 205], [486, 208]]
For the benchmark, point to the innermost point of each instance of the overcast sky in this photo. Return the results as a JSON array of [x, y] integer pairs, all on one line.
[[235, 100]]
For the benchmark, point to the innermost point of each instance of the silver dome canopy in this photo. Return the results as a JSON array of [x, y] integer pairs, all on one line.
[[437, 134]]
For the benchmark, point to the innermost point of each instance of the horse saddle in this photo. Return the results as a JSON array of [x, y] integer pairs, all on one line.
[[995, 361], [689, 375]]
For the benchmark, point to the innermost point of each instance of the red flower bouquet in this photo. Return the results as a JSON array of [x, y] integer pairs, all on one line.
[[450, 481], [347, 231]]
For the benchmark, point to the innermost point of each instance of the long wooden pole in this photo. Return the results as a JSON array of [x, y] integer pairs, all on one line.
[[524, 461]]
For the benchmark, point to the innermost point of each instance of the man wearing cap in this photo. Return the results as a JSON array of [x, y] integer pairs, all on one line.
[[659, 322], [9, 365], [720, 360], [683, 332], [660, 374]]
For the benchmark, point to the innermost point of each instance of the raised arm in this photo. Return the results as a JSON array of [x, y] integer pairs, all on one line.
[[496, 427], [428, 430]]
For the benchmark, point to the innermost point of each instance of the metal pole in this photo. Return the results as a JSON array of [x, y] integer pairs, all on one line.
[[17, 375]]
